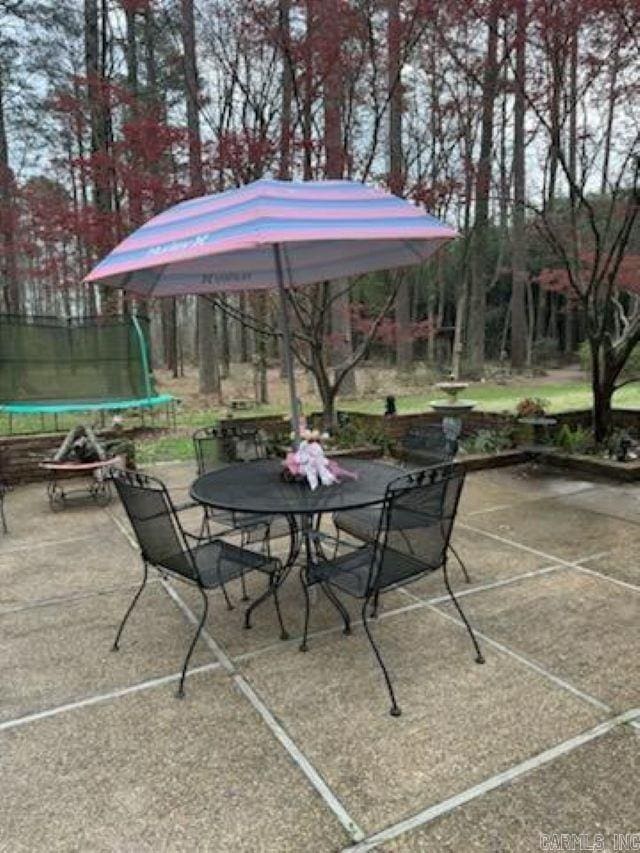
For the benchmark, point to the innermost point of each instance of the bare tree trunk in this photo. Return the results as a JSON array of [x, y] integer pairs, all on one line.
[[569, 343], [518, 246], [99, 119], [170, 335], [222, 330], [131, 57], [602, 385], [331, 57], [610, 115], [456, 354], [557, 60], [8, 266], [404, 343], [260, 357], [478, 296], [307, 104], [208, 363], [284, 26]]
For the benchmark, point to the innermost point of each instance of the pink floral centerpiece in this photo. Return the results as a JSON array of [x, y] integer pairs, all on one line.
[[309, 463]]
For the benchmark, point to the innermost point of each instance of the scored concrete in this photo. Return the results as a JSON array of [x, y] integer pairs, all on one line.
[[582, 628], [54, 655], [333, 701], [150, 772], [503, 487], [143, 771], [57, 570], [553, 527], [591, 792]]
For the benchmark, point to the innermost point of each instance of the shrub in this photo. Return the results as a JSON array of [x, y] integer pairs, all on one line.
[[531, 407], [576, 440], [488, 441]]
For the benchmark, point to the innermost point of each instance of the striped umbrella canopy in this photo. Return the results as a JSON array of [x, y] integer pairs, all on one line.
[[271, 234]]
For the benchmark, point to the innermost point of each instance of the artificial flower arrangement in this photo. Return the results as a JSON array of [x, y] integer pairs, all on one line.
[[309, 464]]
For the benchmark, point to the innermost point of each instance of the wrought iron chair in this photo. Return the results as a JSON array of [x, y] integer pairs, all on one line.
[[202, 561], [412, 541], [428, 445], [432, 447], [216, 447]]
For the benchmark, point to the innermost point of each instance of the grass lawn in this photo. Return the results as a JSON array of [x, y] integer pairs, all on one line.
[[560, 397], [193, 413]]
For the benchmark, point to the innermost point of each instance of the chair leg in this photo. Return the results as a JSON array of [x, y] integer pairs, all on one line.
[[3, 517], [462, 565], [342, 610], [284, 634], [256, 603], [337, 545], [376, 601], [479, 655], [116, 642], [226, 596], [204, 527], [205, 610], [267, 542], [395, 710], [243, 584], [307, 606]]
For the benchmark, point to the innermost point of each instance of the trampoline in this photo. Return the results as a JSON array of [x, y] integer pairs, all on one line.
[[52, 366]]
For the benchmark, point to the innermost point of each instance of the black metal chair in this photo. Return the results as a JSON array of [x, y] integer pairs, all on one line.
[[202, 561], [412, 540], [215, 448], [430, 446]]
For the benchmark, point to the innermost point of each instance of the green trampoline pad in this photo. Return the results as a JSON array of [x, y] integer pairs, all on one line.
[[58, 407]]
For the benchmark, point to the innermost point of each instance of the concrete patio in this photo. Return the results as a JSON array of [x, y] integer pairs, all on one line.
[[274, 750]]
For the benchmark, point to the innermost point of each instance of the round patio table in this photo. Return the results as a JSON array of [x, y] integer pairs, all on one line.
[[258, 487]]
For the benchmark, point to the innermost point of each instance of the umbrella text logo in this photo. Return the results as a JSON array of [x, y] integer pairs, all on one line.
[[225, 277], [178, 245]]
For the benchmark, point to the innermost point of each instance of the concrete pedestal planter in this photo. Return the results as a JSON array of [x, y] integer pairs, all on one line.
[[534, 430]]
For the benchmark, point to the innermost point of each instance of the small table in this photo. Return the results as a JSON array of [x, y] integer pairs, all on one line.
[[258, 487], [99, 490]]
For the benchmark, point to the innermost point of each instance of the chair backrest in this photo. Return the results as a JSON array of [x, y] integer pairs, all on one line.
[[249, 444], [155, 522], [211, 448], [415, 525], [214, 446], [429, 443]]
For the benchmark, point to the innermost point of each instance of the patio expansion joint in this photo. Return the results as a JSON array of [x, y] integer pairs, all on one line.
[[122, 528], [73, 597], [527, 662], [17, 549], [529, 765], [277, 729], [571, 564], [98, 698]]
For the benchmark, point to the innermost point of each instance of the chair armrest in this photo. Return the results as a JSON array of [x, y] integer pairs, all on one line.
[[198, 538]]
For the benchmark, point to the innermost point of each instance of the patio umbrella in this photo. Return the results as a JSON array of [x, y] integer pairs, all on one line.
[[272, 234]]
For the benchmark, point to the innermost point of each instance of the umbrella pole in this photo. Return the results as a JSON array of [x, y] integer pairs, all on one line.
[[286, 344]]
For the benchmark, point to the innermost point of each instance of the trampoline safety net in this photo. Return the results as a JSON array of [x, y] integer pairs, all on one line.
[[47, 360]]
